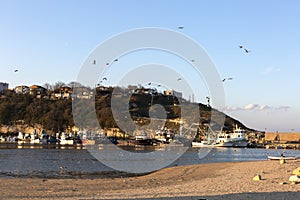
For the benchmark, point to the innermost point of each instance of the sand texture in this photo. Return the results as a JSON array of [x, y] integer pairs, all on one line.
[[204, 181]]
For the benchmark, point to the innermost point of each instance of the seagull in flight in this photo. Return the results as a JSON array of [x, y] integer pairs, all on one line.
[[246, 50], [104, 79], [226, 79]]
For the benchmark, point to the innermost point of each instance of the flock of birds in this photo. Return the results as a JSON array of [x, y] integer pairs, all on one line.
[[179, 79]]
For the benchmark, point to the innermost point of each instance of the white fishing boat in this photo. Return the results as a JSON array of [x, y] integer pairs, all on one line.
[[221, 139], [163, 135], [65, 141], [34, 139], [238, 137], [21, 138]]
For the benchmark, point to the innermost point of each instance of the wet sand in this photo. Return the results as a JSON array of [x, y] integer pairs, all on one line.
[[204, 181]]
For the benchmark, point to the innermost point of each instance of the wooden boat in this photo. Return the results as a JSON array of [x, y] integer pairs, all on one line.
[[282, 157]]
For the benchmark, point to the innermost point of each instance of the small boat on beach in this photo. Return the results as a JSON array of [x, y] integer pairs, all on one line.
[[283, 157]]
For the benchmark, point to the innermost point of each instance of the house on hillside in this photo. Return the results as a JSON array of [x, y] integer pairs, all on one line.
[[64, 92], [173, 93], [3, 87], [83, 93], [22, 89], [145, 91], [37, 91], [101, 90]]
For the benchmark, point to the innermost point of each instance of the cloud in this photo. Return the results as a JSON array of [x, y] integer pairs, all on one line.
[[251, 106], [270, 70], [256, 107], [233, 108]]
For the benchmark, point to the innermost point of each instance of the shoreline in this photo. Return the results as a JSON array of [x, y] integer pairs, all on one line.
[[213, 180]]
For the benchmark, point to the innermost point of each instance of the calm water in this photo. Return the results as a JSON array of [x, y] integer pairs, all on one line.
[[72, 162]]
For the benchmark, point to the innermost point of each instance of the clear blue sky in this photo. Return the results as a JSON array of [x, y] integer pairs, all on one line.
[[49, 40]]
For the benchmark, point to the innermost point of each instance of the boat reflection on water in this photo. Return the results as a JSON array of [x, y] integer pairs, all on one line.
[[39, 146]]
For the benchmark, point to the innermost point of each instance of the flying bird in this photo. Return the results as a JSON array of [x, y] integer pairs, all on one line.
[[115, 60], [247, 51], [107, 63], [104, 79], [179, 79], [226, 79], [16, 70], [94, 62], [180, 27]]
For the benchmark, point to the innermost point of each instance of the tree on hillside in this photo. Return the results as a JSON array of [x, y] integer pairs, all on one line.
[[48, 86], [58, 116], [58, 85], [5, 113]]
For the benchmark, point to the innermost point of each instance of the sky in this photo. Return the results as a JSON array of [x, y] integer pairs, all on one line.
[[48, 41]]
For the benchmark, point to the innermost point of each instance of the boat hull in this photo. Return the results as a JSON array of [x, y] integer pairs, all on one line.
[[282, 158], [241, 143], [200, 144]]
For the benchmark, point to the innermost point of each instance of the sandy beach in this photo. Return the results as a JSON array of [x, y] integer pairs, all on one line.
[[204, 181]]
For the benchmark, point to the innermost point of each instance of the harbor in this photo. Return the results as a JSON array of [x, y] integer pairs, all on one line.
[[225, 173], [44, 160], [238, 138]]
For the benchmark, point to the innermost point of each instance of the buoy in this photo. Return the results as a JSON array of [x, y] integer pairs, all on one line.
[[257, 178], [296, 171], [294, 179]]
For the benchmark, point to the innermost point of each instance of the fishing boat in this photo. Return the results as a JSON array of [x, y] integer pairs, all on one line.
[[238, 137], [221, 139], [65, 140], [164, 136], [143, 139]]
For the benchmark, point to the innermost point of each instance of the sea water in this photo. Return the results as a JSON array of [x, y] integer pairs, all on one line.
[[79, 163]]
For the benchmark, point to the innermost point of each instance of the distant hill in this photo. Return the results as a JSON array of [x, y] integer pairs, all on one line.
[[56, 114], [139, 106]]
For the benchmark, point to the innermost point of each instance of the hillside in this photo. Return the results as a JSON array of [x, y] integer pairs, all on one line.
[[56, 114]]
